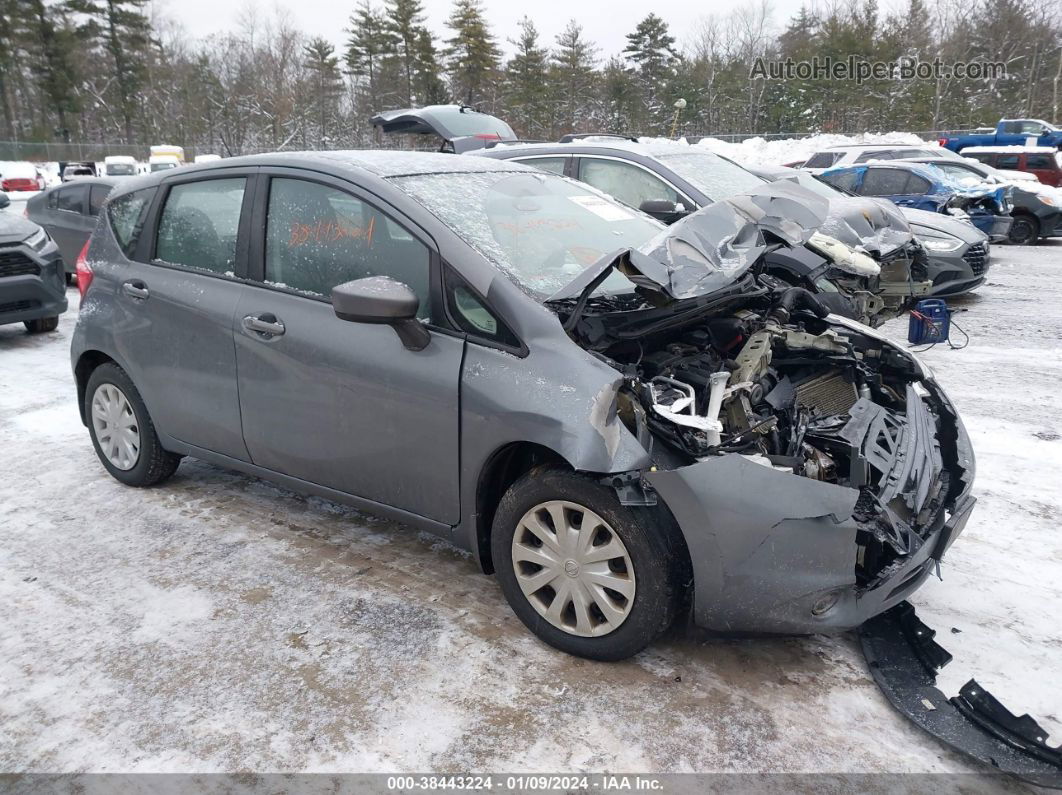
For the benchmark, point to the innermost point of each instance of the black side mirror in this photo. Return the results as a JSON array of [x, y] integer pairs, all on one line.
[[4, 200], [663, 210], [381, 299]]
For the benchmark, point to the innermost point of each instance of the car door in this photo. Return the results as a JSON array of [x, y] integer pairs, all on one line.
[[892, 184], [65, 214], [1044, 166], [176, 300], [337, 403]]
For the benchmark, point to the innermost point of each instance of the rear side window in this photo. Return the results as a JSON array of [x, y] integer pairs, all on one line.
[[199, 225], [72, 199], [1007, 161], [53, 200], [822, 160], [554, 164], [884, 182], [318, 237], [984, 157], [876, 154], [1039, 161], [97, 196], [126, 214]]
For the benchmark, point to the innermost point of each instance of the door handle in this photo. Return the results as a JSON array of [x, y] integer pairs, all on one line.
[[265, 323], [135, 289]]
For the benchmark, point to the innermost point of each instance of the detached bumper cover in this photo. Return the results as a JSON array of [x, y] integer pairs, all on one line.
[[904, 660], [776, 552]]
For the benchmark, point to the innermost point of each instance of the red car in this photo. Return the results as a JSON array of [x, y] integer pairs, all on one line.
[[21, 177], [1043, 162]]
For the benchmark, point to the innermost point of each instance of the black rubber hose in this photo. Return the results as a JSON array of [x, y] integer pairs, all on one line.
[[795, 299]]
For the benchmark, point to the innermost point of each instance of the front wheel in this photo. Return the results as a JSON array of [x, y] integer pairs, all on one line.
[[587, 575], [1024, 231]]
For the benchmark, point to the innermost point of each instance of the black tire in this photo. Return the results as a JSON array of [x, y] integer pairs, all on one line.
[[660, 563], [42, 325], [154, 464], [1025, 230]]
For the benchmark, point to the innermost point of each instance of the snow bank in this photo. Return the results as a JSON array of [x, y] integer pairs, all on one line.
[[776, 152]]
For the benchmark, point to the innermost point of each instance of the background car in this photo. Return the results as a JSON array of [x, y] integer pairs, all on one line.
[[32, 287], [669, 180], [1036, 213], [924, 187], [68, 212], [1043, 163], [847, 154], [20, 175]]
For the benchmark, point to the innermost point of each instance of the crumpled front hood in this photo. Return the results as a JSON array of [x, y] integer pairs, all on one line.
[[14, 228], [711, 248], [873, 225]]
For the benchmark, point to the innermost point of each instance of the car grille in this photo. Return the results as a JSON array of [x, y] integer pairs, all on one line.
[[977, 258], [15, 263], [18, 306]]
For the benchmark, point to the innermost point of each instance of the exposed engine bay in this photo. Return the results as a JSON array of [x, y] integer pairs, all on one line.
[[764, 374]]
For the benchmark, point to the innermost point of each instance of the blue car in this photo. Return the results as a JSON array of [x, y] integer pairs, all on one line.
[[921, 186]]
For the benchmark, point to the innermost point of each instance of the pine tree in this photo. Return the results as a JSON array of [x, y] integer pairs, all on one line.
[[323, 66], [472, 56], [428, 85], [572, 73], [125, 34], [652, 50], [51, 44], [527, 81], [371, 40], [405, 20]]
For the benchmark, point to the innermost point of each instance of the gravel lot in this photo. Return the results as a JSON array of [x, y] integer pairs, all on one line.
[[218, 623]]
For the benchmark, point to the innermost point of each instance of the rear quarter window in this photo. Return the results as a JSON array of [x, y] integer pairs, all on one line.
[[126, 216], [822, 160]]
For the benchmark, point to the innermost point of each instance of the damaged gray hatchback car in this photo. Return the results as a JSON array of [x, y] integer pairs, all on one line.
[[624, 422]]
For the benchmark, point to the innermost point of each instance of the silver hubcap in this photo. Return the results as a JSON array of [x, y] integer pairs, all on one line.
[[115, 426], [573, 568]]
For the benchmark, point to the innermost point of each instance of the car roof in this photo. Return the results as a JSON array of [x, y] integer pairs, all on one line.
[[1039, 150], [883, 147]]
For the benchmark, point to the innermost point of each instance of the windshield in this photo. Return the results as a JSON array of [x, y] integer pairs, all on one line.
[[120, 170], [162, 166], [712, 175], [541, 229]]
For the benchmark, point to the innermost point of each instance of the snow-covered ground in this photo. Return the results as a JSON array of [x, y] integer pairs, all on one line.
[[218, 623]]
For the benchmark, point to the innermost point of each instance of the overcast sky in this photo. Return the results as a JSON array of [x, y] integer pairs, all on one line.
[[607, 22]]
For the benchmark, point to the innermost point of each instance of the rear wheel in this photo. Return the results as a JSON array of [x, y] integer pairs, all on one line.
[[585, 574], [1024, 231], [42, 324], [122, 432]]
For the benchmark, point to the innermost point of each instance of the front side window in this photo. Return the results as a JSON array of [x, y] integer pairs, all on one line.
[[884, 182], [1007, 161], [1039, 162], [72, 199], [199, 225], [988, 158], [876, 154], [318, 237], [630, 184], [126, 216], [916, 185], [540, 229]]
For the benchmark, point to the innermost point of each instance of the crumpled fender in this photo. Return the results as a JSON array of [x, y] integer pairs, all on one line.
[[764, 544]]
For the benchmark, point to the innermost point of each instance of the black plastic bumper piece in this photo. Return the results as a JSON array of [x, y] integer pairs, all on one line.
[[904, 659]]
